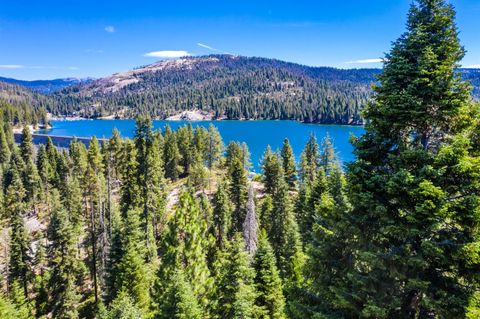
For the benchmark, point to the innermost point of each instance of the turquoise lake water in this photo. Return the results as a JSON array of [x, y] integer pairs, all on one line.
[[257, 134]]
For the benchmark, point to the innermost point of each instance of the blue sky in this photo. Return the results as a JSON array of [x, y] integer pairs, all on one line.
[[71, 38]]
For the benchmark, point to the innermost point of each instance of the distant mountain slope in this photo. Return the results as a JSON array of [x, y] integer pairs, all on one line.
[[46, 86], [218, 86], [21, 105], [226, 87], [17, 94], [229, 87]]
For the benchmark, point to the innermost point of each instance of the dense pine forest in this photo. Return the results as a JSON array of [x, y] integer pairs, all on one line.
[[218, 86], [229, 87], [171, 224]]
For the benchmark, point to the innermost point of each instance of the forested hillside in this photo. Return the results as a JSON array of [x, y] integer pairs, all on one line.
[[22, 106], [228, 87], [45, 86], [218, 87]]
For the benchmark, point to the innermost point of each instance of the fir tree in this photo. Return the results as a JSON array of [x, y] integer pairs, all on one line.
[[214, 147], [414, 187], [20, 260], [328, 158], [309, 161], [186, 245], [238, 193], [132, 274], [150, 180], [16, 306], [272, 171], [62, 252], [222, 210], [171, 155], [288, 163], [285, 237], [235, 290], [4, 147], [123, 307], [270, 299], [180, 301]]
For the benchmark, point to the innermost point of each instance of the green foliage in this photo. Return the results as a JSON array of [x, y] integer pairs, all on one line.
[[270, 299], [235, 291], [14, 210], [132, 274], [408, 246], [309, 161], [180, 301], [238, 193], [123, 307], [171, 155], [15, 307], [63, 262], [186, 246], [288, 163], [222, 210]]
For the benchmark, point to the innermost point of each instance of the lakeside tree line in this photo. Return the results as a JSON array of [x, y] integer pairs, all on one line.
[[170, 224]]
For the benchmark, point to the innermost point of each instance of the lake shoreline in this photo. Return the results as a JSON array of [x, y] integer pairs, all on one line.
[[257, 134], [177, 118]]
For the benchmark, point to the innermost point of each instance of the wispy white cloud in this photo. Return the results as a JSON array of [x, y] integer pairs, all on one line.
[[36, 67], [206, 46], [473, 66], [109, 29], [11, 66], [365, 61], [167, 54]]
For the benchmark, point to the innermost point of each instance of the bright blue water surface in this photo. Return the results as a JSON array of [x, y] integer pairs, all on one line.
[[257, 134]]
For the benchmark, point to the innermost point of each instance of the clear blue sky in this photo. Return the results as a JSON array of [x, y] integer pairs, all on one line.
[[69, 38]]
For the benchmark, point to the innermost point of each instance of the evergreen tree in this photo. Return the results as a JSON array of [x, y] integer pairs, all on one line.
[[311, 200], [414, 188], [288, 163], [123, 307], [94, 196], [222, 210], [41, 279], [285, 236], [184, 136], [171, 155], [20, 260], [235, 290], [4, 147], [63, 262], [180, 301], [309, 161], [186, 245], [129, 188], [272, 171], [16, 306], [214, 147], [328, 158], [238, 193], [26, 145], [150, 180], [132, 273], [270, 299]]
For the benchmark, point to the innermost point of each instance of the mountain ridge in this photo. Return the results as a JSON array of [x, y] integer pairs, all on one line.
[[224, 87]]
